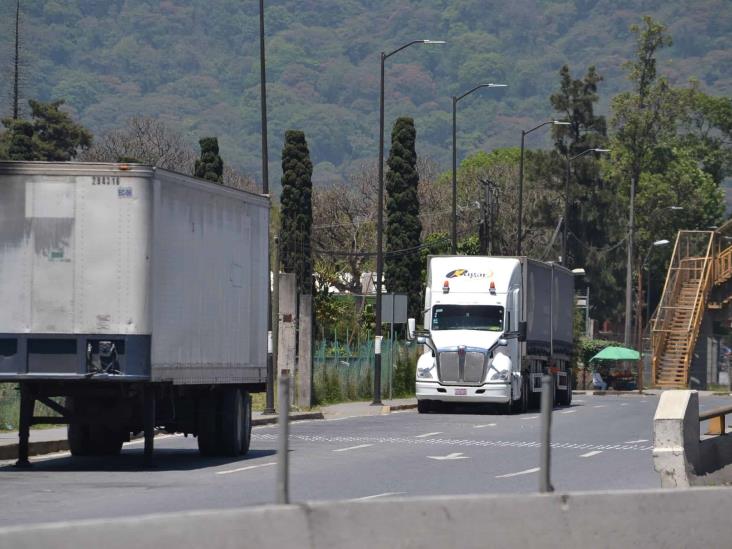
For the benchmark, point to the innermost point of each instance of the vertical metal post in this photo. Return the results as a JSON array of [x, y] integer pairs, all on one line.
[[629, 268], [520, 196], [27, 403], [454, 175], [547, 390], [271, 319], [149, 421], [283, 473], [379, 243], [587, 314], [566, 215]]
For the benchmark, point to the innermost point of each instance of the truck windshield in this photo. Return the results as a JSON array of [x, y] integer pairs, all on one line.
[[468, 317]]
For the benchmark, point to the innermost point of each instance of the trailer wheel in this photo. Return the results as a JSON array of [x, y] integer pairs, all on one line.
[[105, 440], [78, 437], [246, 431], [207, 425], [230, 440]]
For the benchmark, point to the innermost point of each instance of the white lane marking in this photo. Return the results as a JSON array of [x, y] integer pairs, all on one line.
[[160, 437], [353, 448], [599, 406], [428, 434], [341, 418], [636, 441], [623, 403], [484, 425], [568, 412], [530, 417], [590, 454], [247, 468], [579, 401], [384, 495], [526, 472], [457, 455]]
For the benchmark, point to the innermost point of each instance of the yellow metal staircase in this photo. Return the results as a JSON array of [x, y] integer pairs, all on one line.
[[701, 261]]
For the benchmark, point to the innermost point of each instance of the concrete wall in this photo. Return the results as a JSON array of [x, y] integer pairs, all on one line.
[[681, 454], [684, 518]]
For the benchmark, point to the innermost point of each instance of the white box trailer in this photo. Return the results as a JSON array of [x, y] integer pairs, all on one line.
[[493, 326], [135, 282]]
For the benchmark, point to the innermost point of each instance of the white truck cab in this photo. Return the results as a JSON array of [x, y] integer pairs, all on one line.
[[478, 311]]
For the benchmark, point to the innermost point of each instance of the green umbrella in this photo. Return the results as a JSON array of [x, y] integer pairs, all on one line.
[[616, 353]]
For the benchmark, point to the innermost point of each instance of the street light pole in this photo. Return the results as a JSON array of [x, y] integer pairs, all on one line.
[[524, 133], [271, 323], [380, 220], [639, 310], [455, 100], [565, 232]]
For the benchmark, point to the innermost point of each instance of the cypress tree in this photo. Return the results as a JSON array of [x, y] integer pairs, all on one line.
[[403, 266], [297, 210], [210, 166]]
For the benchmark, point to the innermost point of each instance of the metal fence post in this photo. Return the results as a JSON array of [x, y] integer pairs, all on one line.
[[547, 389], [283, 483]]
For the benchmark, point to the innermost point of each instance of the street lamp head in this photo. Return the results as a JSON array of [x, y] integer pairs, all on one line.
[[561, 123], [662, 242], [601, 150], [434, 42], [578, 272], [491, 85], [675, 208]]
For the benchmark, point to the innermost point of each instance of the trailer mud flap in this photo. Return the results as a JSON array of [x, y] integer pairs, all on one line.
[[562, 380], [536, 383]]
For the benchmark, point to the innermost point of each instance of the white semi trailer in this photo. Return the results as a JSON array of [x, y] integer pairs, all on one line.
[[137, 294], [492, 327]]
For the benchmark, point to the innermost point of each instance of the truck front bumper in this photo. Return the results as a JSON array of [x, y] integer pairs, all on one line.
[[486, 393]]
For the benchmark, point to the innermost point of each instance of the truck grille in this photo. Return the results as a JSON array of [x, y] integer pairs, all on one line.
[[468, 369]]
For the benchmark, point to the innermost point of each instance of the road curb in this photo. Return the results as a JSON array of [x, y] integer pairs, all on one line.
[[399, 407], [647, 392], [38, 448], [295, 417]]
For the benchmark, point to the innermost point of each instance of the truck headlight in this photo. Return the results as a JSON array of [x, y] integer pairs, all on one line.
[[503, 375], [424, 372]]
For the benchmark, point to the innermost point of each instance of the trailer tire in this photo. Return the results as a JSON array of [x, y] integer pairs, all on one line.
[[207, 422], [78, 437], [105, 440], [246, 433], [231, 426]]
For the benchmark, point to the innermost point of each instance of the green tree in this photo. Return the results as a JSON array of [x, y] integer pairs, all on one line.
[[297, 209], [210, 166], [403, 227], [50, 135]]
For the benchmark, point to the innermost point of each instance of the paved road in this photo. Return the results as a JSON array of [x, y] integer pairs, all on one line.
[[601, 442]]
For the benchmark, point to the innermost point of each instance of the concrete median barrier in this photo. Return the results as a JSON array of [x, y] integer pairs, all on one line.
[[685, 518]]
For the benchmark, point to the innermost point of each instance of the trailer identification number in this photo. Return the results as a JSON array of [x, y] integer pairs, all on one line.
[[105, 180]]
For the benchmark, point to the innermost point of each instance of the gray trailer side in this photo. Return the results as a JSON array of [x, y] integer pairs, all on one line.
[[139, 296]]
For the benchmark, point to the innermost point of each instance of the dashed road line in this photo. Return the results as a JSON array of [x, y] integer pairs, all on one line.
[[530, 417], [636, 441], [371, 440], [590, 454], [384, 495], [600, 406], [247, 468], [428, 434], [353, 448], [526, 472], [484, 425], [568, 412]]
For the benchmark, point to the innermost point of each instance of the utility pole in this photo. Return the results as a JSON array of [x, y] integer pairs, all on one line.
[[16, 62]]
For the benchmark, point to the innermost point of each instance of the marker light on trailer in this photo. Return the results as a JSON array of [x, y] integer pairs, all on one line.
[[493, 287], [446, 287]]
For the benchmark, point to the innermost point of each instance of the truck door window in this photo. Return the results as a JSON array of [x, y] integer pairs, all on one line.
[[468, 317]]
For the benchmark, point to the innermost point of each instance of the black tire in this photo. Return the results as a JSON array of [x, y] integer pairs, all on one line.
[[231, 427], [246, 431], [105, 441], [78, 437], [534, 397], [207, 422], [424, 406]]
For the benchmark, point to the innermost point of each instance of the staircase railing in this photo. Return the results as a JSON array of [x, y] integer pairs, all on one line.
[[692, 260]]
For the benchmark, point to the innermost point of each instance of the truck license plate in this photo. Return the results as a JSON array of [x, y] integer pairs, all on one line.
[[461, 392]]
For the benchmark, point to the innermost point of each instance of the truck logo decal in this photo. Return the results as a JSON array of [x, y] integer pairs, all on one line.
[[464, 272]]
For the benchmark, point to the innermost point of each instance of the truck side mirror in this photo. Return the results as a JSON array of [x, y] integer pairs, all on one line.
[[522, 331], [411, 328]]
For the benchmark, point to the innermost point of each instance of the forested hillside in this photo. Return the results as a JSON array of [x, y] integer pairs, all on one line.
[[195, 64]]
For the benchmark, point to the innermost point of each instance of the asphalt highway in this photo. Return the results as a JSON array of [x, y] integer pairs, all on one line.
[[599, 443]]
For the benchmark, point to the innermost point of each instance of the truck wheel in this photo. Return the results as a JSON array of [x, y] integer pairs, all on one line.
[[424, 406], [105, 441], [78, 437], [207, 425], [231, 422], [246, 431]]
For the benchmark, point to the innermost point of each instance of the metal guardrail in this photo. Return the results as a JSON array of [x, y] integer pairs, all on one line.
[[716, 417]]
